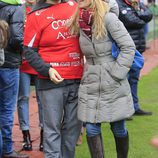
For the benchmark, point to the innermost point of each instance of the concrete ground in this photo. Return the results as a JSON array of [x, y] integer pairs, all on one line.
[[151, 61]]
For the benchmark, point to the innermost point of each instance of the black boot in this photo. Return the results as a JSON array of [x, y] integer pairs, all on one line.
[[122, 145], [15, 154], [95, 145], [41, 140], [27, 144], [141, 112]]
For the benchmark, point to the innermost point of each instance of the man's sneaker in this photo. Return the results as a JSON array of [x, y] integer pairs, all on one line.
[[15, 154], [141, 112]]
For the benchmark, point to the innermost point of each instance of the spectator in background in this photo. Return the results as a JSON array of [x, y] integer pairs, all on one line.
[[4, 35], [27, 73], [9, 74], [135, 15], [146, 26], [55, 54]]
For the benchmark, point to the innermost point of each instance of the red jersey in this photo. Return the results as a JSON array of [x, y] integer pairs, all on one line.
[[46, 30]]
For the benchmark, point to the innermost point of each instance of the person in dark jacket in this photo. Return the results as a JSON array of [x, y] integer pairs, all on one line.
[[27, 75], [135, 15], [9, 75]]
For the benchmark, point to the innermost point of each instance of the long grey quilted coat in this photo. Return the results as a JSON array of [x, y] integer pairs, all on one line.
[[104, 92]]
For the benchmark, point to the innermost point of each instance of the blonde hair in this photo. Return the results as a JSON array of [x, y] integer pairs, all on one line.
[[100, 8], [4, 33]]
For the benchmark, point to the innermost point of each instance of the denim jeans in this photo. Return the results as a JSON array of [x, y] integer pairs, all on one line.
[[118, 129], [146, 30], [1, 145], [133, 78], [60, 105], [9, 84], [23, 101]]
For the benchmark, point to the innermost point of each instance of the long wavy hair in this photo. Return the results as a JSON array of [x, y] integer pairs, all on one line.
[[4, 33], [99, 8]]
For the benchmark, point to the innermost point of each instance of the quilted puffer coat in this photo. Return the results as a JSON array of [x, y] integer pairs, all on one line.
[[13, 15], [104, 93]]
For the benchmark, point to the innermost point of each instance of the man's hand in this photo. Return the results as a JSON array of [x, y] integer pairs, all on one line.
[[54, 76]]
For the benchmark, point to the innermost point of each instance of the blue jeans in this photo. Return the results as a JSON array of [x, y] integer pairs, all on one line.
[[23, 101], [9, 84], [1, 145], [118, 129], [146, 30], [133, 78]]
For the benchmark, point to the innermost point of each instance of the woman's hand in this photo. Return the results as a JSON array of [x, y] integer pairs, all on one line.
[[54, 76]]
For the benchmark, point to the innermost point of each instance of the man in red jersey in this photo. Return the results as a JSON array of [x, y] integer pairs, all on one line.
[[55, 54]]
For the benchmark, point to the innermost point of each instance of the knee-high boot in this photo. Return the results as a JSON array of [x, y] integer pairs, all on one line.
[[96, 147], [122, 145]]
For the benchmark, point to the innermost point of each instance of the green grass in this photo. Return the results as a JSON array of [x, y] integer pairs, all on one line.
[[141, 129]]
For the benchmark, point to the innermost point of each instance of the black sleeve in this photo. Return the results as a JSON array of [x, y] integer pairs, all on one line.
[[16, 28], [145, 13], [36, 61]]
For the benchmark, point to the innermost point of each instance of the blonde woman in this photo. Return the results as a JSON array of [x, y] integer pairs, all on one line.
[[104, 93]]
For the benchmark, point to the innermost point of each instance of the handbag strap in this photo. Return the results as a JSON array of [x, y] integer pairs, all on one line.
[[109, 35]]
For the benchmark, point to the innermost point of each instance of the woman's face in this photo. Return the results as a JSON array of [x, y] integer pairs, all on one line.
[[85, 3]]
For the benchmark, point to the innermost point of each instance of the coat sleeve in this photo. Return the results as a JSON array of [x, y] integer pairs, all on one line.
[[16, 28], [124, 41], [144, 13], [36, 61]]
